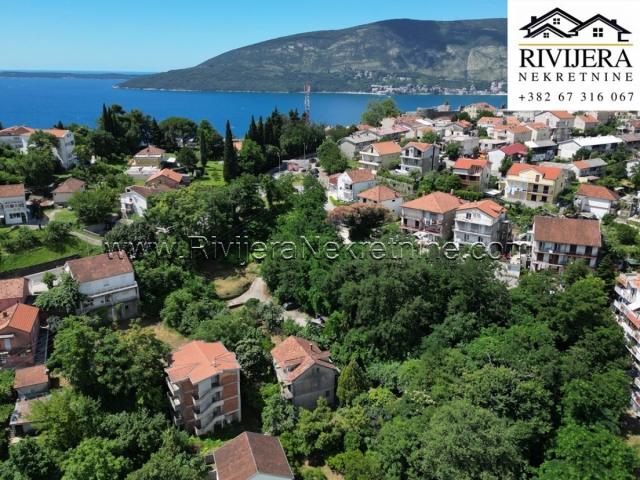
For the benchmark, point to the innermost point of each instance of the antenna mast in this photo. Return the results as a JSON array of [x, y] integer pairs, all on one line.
[[307, 102]]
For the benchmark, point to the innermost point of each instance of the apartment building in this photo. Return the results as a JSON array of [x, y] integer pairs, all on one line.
[[431, 214], [559, 122], [419, 157], [482, 222], [204, 387], [18, 137], [627, 311], [533, 185], [560, 241], [352, 182], [304, 371], [602, 144], [596, 199], [19, 329], [379, 155], [473, 172]]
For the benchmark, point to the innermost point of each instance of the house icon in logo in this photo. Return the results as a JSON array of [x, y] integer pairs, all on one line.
[[558, 25]]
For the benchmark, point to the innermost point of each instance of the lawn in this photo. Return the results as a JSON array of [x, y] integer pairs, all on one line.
[[42, 254], [212, 175], [169, 336], [63, 215], [230, 281]]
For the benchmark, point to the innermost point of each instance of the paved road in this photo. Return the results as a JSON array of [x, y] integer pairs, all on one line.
[[87, 238], [257, 290]]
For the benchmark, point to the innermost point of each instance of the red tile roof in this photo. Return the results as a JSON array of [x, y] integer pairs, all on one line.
[[562, 114], [301, 354], [360, 175], [519, 129], [597, 191], [198, 360], [166, 172], [568, 231], [30, 376], [549, 173], [489, 207], [147, 192], [14, 288], [386, 148], [56, 132], [150, 151], [97, 267], [418, 145], [70, 185], [379, 193], [588, 119], [515, 149], [437, 202], [16, 130], [468, 163], [12, 190], [250, 454], [20, 317], [491, 120]]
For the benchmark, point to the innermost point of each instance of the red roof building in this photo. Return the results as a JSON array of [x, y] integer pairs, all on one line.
[[19, 328]]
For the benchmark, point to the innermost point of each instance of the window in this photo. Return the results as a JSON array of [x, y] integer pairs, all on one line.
[[556, 21], [546, 35], [598, 32]]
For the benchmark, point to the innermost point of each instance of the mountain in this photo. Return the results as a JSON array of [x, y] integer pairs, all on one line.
[[391, 52]]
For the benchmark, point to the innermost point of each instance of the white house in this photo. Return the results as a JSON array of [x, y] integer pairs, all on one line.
[[482, 222], [13, 205], [382, 195], [356, 142], [593, 167], [419, 157], [467, 143], [380, 154], [134, 200], [66, 189], [596, 200], [559, 122], [18, 137], [352, 182], [602, 144], [106, 280]]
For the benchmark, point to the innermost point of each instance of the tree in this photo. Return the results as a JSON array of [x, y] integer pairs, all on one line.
[[187, 158], [56, 232], [582, 154], [48, 279], [331, 158], [33, 460], [452, 151], [351, 383], [361, 220], [430, 137], [278, 415], [505, 165], [251, 159], [583, 453], [95, 458], [378, 110], [230, 168], [92, 206], [177, 131], [63, 299], [252, 357]]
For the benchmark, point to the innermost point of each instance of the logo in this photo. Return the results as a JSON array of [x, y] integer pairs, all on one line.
[[573, 55]]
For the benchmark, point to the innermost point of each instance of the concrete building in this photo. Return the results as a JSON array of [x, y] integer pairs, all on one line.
[[596, 200], [204, 387], [482, 222], [135, 199], [13, 205], [13, 291], [150, 156], [19, 329], [603, 144], [560, 241], [305, 372], [357, 142], [419, 157], [379, 155], [382, 195], [18, 137], [473, 173], [533, 185], [350, 183], [63, 192], [431, 214], [467, 143], [31, 382], [559, 122], [106, 281], [586, 169]]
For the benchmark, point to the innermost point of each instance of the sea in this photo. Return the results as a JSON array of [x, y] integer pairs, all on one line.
[[41, 102]]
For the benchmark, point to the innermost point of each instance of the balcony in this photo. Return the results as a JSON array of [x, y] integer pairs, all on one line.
[[623, 293], [173, 388], [199, 413], [199, 399], [202, 429], [435, 228], [174, 401]]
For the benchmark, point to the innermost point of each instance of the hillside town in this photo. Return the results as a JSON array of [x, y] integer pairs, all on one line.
[[124, 341]]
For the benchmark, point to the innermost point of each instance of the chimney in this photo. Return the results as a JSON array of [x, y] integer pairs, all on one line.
[[614, 21], [533, 19]]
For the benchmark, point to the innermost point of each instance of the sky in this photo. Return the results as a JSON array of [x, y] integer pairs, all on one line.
[[158, 35]]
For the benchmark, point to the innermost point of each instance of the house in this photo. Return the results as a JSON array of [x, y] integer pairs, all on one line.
[[627, 313], [473, 173], [13, 205], [533, 185], [484, 222], [593, 167], [150, 156], [18, 137], [489, 123], [167, 177], [585, 123], [491, 144], [432, 214], [467, 143], [204, 387], [134, 200], [517, 153], [539, 131], [357, 142], [382, 195], [63, 192], [380, 154], [476, 109], [394, 132], [632, 140], [518, 134], [21, 421], [106, 280], [560, 241], [419, 157], [602, 30], [352, 182], [19, 328], [596, 199], [304, 371], [13, 291], [252, 456], [553, 25], [559, 122], [31, 382], [602, 144], [542, 150]]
